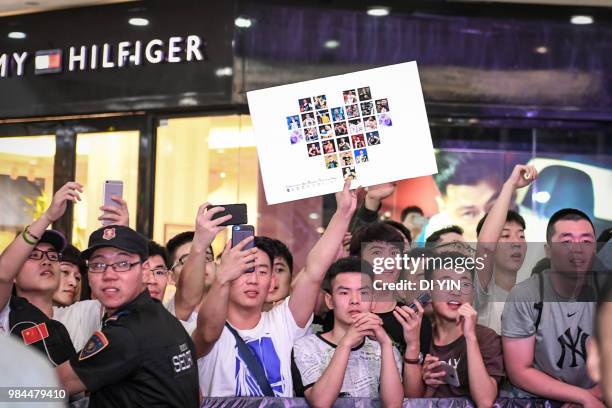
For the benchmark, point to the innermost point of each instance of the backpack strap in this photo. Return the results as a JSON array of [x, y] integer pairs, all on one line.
[[252, 362], [539, 305]]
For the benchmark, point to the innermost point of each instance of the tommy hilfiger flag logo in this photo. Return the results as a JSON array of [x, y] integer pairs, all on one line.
[[48, 62]]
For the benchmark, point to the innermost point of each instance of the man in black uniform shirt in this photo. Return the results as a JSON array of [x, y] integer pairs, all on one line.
[[27, 321], [142, 356]]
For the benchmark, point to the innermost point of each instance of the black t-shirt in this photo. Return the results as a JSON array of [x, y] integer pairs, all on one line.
[[24, 316], [394, 330], [142, 357]]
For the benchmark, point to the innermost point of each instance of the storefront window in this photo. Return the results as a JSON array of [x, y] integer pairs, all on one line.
[[26, 182], [214, 159], [203, 159], [100, 157]]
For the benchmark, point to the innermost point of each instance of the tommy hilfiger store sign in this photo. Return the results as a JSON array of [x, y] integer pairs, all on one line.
[[123, 54]]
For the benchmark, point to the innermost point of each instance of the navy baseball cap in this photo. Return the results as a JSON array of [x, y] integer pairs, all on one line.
[[55, 238], [120, 237]]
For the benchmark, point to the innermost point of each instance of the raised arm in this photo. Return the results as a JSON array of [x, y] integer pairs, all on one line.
[[116, 214], [368, 212], [213, 310], [14, 256], [308, 282], [493, 226], [518, 359], [190, 287]]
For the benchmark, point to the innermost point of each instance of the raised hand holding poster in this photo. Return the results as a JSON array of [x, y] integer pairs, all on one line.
[[370, 126]]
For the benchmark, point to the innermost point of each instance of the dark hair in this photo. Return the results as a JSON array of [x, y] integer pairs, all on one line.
[[265, 244], [176, 241], [442, 259], [401, 228], [346, 265], [156, 249], [604, 299], [418, 252], [71, 254], [375, 232], [511, 216], [570, 214], [283, 251], [437, 235], [467, 169], [279, 249], [409, 210]]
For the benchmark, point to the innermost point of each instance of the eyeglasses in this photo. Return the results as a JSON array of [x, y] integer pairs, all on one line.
[[183, 259], [37, 255], [466, 288], [123, 266], [159, 272], [457, 246], [179, 262]]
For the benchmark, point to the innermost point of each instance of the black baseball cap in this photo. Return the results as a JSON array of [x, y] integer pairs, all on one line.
[[117, 236], [54, 238]]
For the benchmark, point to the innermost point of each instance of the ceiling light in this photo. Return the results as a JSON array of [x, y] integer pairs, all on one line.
[[242, 22], [331, 44], [541, 50], [378, 11], [17, 35], [541, 197], [138, 21], [224, 72], [582, 20]]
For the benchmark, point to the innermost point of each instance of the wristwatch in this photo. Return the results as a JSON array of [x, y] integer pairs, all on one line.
[[418, 360]]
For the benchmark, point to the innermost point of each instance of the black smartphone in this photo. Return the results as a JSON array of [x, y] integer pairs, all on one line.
[[424, 298], [239, 233], [238, 212]]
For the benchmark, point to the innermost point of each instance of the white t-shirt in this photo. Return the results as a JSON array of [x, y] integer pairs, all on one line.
[[223, 373], [171, 307], [81, 319], [312, 354], [4, 320], [489, 304]]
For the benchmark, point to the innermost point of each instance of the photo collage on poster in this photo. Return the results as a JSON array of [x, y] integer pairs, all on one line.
[[341, 134]]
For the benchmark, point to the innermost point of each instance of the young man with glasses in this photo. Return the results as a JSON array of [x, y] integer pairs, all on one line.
[[158, 270], [195, 265], [465, 359], [30, 265], [142, 355]]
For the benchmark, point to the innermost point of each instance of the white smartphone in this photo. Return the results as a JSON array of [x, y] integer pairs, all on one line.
[[111, 188], [451, 377]]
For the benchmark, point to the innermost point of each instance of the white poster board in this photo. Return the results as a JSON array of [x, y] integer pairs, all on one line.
[[369, 125]]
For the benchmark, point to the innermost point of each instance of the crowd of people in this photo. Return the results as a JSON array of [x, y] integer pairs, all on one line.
[[129, 322]]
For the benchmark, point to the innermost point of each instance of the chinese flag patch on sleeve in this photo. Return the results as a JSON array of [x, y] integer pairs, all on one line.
[[96, 343], [35, 333]]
